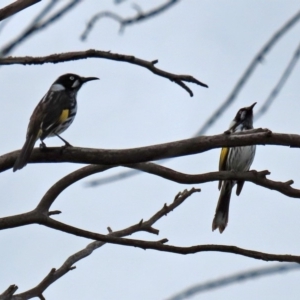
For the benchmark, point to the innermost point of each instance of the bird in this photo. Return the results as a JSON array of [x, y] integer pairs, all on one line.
[[233, 159], [53, 114]]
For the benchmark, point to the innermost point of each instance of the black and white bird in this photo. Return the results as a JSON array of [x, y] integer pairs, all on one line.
[[53, 115], [236, 159]]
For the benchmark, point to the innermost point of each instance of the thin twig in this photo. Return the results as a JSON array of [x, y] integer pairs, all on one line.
[[37, 26], [248, 72], [276, 90], [233, 95], [128, 21], [68, 265], [227, 280]]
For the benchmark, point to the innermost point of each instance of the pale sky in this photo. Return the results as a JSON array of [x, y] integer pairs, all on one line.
[[213, 41]]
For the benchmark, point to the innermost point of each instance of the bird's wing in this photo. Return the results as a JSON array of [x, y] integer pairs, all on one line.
[[55, 111], [222, 161]]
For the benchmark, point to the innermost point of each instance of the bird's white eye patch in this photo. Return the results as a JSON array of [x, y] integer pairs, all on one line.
[[72, 78], [76, 83]]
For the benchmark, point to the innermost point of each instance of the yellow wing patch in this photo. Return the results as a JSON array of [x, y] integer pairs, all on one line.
[[223, 158], [222, 162], [64, 115]]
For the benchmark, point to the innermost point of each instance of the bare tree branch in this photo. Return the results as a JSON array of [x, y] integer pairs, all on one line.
[[283, 79], [113, 178], [15, 7], [160, 246], [230, 99], [7, 294], [71, 56], [128, 21], [41, 213], [239, 277], [248, 72], [65, 182], [258, 178], [37, 25], [151, 153], [68, 265]]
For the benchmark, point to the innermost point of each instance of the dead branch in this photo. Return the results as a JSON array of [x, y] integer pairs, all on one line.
[[68, 265], [140, 16], [258, 178], [241, 276], [15, 7], [236, 90], [258, 58], [70, 56], [38, 25], [7, 294], [155, 152], [279, 85]]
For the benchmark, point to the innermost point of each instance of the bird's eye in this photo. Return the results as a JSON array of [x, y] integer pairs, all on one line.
[[72, 78]]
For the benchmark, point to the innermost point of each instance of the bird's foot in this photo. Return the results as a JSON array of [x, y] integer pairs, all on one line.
[[64, 147], [43, 146]]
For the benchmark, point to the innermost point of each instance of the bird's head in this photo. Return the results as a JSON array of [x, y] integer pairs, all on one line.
[[70, 81], [243, 119]]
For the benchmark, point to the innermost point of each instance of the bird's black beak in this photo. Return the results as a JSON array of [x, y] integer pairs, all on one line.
[[251, 106], [86, 79]]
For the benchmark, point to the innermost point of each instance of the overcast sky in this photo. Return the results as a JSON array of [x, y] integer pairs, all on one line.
[[130, 107]]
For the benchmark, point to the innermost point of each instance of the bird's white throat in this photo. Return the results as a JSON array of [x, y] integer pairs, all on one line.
[[57, 87]]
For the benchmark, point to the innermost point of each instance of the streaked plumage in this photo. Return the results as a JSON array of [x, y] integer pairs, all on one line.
[[236, 159], [53, 115]]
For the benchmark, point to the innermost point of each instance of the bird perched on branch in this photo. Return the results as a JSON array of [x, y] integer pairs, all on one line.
[[53, 115], [237, 159]]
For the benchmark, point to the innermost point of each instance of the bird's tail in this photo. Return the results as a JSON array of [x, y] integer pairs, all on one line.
[[222, 210], [25, 153]]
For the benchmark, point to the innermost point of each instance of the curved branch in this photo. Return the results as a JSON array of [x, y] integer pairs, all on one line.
[[70, 56], [15, 7], [68, 265], [258, 178], [235, 91], [41, 214], [65, 182], [128, 21], [160, 246]]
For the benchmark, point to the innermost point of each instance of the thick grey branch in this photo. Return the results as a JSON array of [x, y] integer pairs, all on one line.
[[155, 152]]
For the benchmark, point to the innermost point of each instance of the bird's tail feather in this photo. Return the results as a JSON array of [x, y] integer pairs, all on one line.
[[25, 153], [221, 216]]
